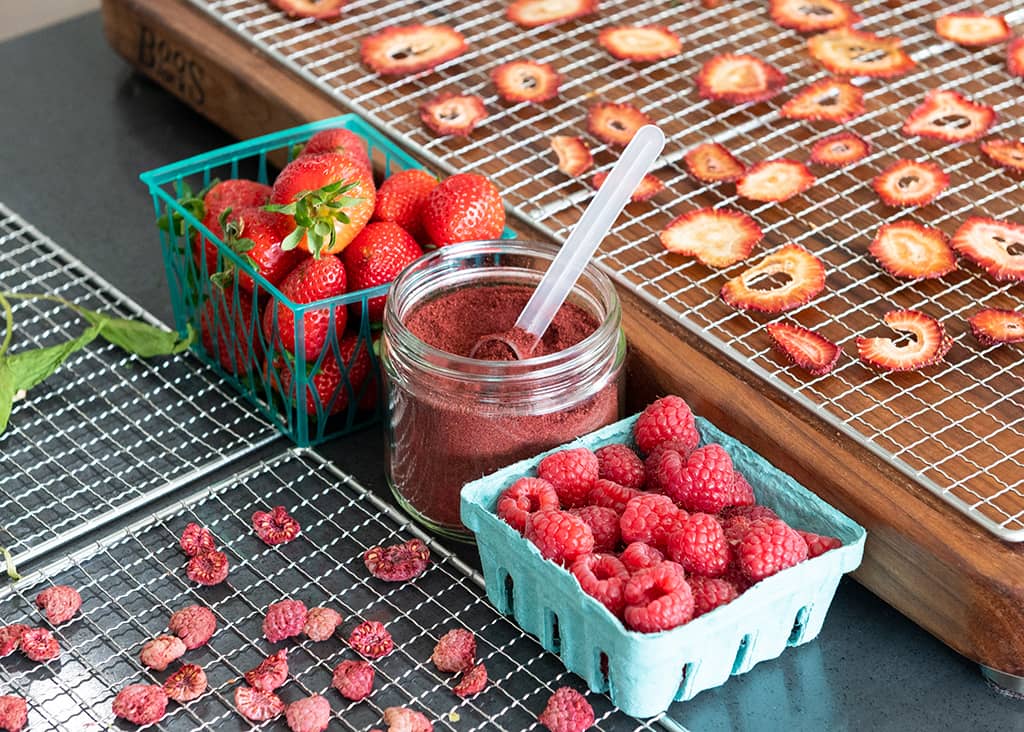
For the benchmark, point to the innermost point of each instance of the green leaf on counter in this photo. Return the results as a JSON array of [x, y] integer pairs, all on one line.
[[7, 392], [12, 571], [137, 337]]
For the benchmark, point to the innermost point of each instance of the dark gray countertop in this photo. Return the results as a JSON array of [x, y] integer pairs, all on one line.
[[76, 128]]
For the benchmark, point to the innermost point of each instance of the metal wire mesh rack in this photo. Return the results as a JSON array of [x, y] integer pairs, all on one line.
[[108, 431], [132, 580], [957, 430]]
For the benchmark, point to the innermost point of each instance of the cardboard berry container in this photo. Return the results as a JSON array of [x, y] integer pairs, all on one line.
[[283, 391], [647, 672]]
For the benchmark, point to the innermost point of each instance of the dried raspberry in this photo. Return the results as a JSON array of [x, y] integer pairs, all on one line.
[[669, 418], [271, 673], [193, 624], [700, 547], [572, 473], [603, 577], [709, 593], [705, 484], [371, 639], [769, 546], [13, 713], [455, 651], [38, 644], [610, 495], [60, 603], [567, 711], [256, 705], [639, 555], [321, 623], [524, 497], [196, 539], [658, 598], [140, 704], [186, 684], [158, 653], [399, 562], [10, 638], [208, 568], [276, 527], [652, 465], [648, 518], [353, 679], [818, 544], [284, 620], [311, 714], [560, 536], [604, 525], [403, 719], [472, 682], [619, 464]]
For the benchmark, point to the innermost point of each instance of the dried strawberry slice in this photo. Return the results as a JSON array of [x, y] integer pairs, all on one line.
[[276, 527], [574, 156], [196, 539], [948, 116], [453, 114], [320, 9], [371, 639], [834, 100], [908, 249], [649, 186], [257, 705], [988, 243], [910, 183], [534, 13], [712, 163], [993, 326], [812, 352], [408, 49], [930, 343], [739, 78], [775, 180], [186, 684], [1015, 57], [972, 28], [855, 53], [1008, 154], [615, 124], [640, 43], [526, 81], [208, 568], [792, 277], [398, 562], [716, 237], [842, 148], [811, 16]]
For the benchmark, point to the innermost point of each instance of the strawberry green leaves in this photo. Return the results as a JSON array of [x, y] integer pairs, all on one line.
[[191, 202], [315, 213]]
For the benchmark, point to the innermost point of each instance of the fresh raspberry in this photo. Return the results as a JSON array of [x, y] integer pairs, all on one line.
[[472, 682], [619, 464], [403, 719], [186, 684], [648, 518], [38, 644], [140, 704], [560, 536], [604, 525], [750, 513], [208, 568], [311, 714], [353, 679], [611, 495], [256, 705], [818, 544], [735, 577], [321, 623], [371, 639], [700, 546], [60, 603], [194, 624], [271, 673], [567, 711], [709, 593], [603, 577], [10, 638], [742, 493], [196, 539], [658, 598], [572, 473], [399, 562], [639, 555], [669, 418], [769, 546], [524, 497], [284, 619], [158, 653], [455, 651], [13, 713], [276, 527], [704, 484]]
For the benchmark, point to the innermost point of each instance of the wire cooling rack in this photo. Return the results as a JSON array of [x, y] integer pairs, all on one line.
[[132, 580], [958, 429], [108, 431]]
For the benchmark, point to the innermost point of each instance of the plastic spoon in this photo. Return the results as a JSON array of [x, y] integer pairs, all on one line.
[[579, 247]]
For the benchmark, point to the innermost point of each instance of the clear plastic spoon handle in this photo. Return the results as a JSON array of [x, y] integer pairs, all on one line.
[[590, 230]]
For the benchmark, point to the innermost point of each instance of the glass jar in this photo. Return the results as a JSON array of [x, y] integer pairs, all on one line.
[[452, 419]]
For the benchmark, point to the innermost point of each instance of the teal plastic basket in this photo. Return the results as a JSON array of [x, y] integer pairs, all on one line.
[[647, 672], [251, 363]]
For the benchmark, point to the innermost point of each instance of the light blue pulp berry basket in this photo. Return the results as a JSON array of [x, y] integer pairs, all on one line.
[[647, 672]]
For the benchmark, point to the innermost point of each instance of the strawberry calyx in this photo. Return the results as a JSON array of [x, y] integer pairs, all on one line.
[[193, 203], [315, 213], [237, 243]]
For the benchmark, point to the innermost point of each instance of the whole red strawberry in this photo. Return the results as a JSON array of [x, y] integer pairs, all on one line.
[[311, 280], [375, 257], [338, 140], [401, 199], [465, 207], [207, 206], [327, 390], [256, 235], [225, 324]]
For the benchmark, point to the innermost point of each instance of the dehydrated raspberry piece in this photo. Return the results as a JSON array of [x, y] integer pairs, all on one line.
[[403, 719], [574, 156], [256, 705], [38, 644], [988, 243], [13, 713], [950, 117], [572, 473], [855, 53], [649, 518], [398, 562], [353, 679], [60, 603], [842, 148], [603, 577], [276, 527], [650, 186], [158, 653], [526, 81], [208, 568], [196, 539], [834, 100], [534, 13], [455, 651], [713, 163], [929, 344], [768, 547], [271, 673], [992, 326], [639, 555], [319, 9], [658, 598], [321, 623], [812, 352], [567, 711], [401, 50], [615, 124], [195, 625], [186, 684], [371, 639], [620, 465], [284, 619], [640, 43], [311, 714], [775, 180], [972, 28], [604, 525], [453, 114], [1008, 154], [811, 16], [140, 704], [611, 495], [818, 544], [908, 249], [739, 78], [804, 276], [716, 237], [472, 682], [524, 497], [559, 536], [910, 183], [10, 638], [709, 593], [1015, 57]]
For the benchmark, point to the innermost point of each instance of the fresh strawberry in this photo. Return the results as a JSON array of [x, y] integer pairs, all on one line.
[[399, 50], [811, 16], [712, 163], [834, 100], [972, 28], [991, 326], [950, 117], [615, 124], [256, 235], [375, 257], [775, 180], [640, 43], [401, 199], [574, 158], [1015, 57], [226, 329], [1006, 153], [908, 249], [850, 52], [311, 280], [464, 207], [812, 352], [453, 114], [930, 343], [320, 9], [736, 79], [338, 140], [840, 149], [234, 193], [988, 243], [331, 387], [534, 13], [716, 237], [208, 205], [650, 186], [526, 81], [329, 197], [910, 183], [804, 279]]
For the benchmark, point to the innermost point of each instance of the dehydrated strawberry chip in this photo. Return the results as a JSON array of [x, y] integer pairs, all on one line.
[[371, 639], [472, 682], [208, 568], [60, 603], [196, 539], [10, 638], [648, 187], [534, 13], [398, 562], [640, 43], [775, 180], [195, 625], [453, 114], [713, 163], [950, 117], [972, 28], [842, 148], [928, 345], [910, 183], [140, 704], [1015, 57], [992, 326], [574, 156], [995, 246], [811, 16], [284, 619], [833, 100], [38, 644], [716, 237], [186, 684], [908, 249], [275, 527], [158, 653], [526, 81], [855, 53], [271, 673], [257, 705], [321, 622], [811, 351], [615, 124], [739, 78], [408, 49], [1008, 154], [783, 280], [320, 9]]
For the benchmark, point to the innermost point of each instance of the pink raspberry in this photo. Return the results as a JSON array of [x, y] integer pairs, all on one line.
[[472, 682], [619, 464], [311, 714], [567, 711], [371, 639], [275, 527], [525, 496], [208, 568], [455, 651], [658, 598], [669, 418], [639, 555], [194, 624], [653, 468], [353, 679], [560, 536], [284, 619], [603, 577], [60, 603], [818, 544], [10, 638], [769, 546], [705, 484], [196, 539], [700, 546], [737, 519], [13, 713], [140, 704], [403, 719], [742, 492], [648, 518], [398, 562], [321, 623], [271, 673], [257, 705], [572, 473], [186, 684], [611, 495], [604, 525], [158, 653], [38, 644], [709, 593]]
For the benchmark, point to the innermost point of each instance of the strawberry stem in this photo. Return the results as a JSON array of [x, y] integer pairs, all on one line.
[[315, 213]]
